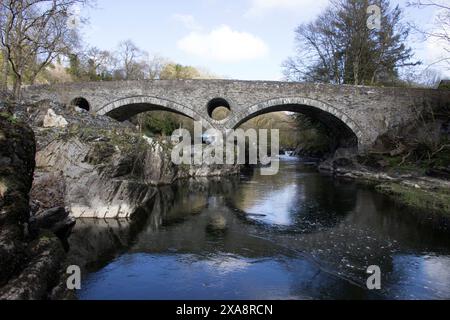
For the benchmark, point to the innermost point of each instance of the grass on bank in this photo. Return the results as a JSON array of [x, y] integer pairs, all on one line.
[[435, 201]]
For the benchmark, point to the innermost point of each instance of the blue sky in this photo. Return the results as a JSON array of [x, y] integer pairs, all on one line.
[[239, 39]]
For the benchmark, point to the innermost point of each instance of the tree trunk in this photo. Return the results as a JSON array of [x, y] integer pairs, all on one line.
[[356, 72], [5, 72], [17, 87]]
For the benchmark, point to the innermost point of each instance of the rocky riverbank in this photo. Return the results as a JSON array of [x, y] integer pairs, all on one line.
[[31, 258], [426, 192], [409, 163], [420, 191], [98, 167], [59, 163]]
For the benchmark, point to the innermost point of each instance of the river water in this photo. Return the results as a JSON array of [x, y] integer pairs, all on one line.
[[297, 235]]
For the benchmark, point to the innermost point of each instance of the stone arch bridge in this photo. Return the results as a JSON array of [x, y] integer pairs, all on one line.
[[357, 112]]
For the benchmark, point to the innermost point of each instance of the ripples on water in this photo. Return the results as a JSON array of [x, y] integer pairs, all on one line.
[[296, 235]]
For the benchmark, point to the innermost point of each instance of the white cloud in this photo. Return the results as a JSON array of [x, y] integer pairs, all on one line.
[[224, 44], [187, 20], [259, 8]]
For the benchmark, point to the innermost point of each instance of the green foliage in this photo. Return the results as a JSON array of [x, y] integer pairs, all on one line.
[[92, 71], [159, 123], [86, 69], [277, 120], [315, 137], [9, 117], [74, 66], [296, 130], [173, 71], [444, 85], [44, 238], [99, 154]]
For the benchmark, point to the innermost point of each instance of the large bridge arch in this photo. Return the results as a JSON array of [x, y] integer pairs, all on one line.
[[339, 122], [124, 108]]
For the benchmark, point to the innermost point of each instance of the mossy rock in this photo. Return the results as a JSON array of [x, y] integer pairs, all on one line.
[[100, 153]]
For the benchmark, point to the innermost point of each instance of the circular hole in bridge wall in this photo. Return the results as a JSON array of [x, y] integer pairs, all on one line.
[[218, 109], [81, 103]]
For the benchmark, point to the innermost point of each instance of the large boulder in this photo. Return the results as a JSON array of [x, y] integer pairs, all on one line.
[[52, 120], [29, 266], [41, 273], [17, 163], [56, 220], [342, 158]]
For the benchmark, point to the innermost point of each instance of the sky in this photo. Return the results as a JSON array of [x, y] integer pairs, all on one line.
[[238, 39]]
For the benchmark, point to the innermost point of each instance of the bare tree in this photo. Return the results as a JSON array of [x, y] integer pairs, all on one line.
[[5, 19], [155, 66], [338, 46], [440, 31], [318, 56], [427, 78], [132, 61], [33, 33], [99, 63]]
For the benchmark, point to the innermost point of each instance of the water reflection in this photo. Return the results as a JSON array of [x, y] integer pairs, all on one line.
[[278, 208], [298, 235]]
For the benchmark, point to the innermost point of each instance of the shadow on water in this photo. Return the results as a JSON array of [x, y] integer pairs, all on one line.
[[296, 235]]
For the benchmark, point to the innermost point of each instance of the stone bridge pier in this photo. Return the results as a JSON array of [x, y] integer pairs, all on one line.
[[356, 114]]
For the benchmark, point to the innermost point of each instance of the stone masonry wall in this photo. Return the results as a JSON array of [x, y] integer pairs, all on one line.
[[368, 111]]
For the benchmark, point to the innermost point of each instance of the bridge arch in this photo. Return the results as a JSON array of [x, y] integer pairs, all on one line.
[[333, 118], [124, 108]]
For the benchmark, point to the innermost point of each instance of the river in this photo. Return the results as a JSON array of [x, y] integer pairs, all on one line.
[[297, 235]]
